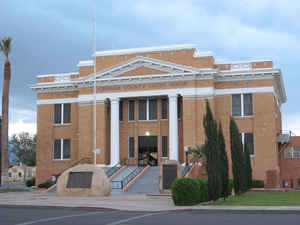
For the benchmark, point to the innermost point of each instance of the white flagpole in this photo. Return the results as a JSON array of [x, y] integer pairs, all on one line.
[[95, 100]]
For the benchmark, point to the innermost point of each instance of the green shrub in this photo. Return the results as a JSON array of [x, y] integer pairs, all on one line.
[[258, 184], [203, 190], [30, 182], [298, 181], [185, 191], [230, 187], [46, 184]]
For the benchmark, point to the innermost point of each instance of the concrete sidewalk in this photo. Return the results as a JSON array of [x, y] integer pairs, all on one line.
[[121, 202]]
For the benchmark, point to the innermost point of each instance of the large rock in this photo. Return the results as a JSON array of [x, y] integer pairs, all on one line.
[[99, 186]]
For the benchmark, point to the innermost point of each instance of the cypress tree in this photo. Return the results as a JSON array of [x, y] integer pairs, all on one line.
[[248, 168], [223, 163], [211, 152], [237, 158]]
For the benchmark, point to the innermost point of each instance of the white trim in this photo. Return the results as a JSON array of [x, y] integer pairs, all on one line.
[[144, 50], [57, 75], [85, 63], [246, 61], [185, 92]]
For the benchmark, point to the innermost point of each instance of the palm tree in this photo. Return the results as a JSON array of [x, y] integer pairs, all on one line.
[[198, 153], [5, 47]]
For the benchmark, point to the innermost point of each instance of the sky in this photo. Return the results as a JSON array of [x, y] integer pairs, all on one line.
[[52, 36]]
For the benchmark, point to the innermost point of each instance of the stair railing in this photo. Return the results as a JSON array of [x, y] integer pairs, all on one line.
[[120, 184], [113, 169]]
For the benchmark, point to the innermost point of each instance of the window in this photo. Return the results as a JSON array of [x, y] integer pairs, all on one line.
[[62, 113], [164, 109], [131, 147], [131, 110], [292, 152], [61, 149], [142, 109], [9, 174], [247, 140], [242, 105], [121, 110], [164, 146], [179, 103], [152, 109], [148, 109], [20, 174]]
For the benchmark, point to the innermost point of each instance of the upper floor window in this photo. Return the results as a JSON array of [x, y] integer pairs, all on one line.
[[121, 110], [62, 113], [292, 152], [248, 140], [164, 109], [148, 109], [61, 149], [242, 105], [179, 107], [131, 110]]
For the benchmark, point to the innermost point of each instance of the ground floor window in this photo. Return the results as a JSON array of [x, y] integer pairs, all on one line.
[[131, 147], [248, 140], [61, 149], [164, 146]]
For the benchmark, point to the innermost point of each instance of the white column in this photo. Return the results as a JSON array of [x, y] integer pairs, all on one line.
[[173, 128], [114, 132]]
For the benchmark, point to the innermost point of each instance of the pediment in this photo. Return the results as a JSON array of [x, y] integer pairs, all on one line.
[[141, 66]]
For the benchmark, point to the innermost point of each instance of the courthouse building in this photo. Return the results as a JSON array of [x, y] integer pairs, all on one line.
[[150, 106]]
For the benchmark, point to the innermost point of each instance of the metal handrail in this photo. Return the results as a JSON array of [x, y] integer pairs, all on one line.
[[120, 184], [113, 170]]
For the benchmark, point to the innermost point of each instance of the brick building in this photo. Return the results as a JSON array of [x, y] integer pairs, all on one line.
[[150, 105]]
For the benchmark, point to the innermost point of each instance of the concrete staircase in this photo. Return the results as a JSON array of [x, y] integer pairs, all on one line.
[[146, 184], [116, 180]]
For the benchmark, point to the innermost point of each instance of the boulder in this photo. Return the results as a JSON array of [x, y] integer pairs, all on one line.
[[95, 184]]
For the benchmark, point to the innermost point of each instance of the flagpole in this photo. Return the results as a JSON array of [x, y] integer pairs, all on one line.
[[95, 100]]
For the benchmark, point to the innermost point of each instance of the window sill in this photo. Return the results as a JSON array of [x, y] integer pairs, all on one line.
[[147, 120], [62, 124], [60, 160], [241, 117], [252, 156]]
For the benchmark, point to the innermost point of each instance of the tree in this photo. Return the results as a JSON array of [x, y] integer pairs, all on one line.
[[24, 148], [248, 168], [5, 47], [223, 163], [211, 153], [237, 158]]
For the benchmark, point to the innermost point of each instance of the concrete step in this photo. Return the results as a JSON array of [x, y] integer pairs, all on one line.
[[147, 183]]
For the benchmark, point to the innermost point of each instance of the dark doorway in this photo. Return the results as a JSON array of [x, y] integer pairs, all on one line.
[[148, 150]]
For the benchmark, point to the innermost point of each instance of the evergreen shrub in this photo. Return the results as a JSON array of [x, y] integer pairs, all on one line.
[[258, 184], [185, 191], [230, 187], [203, 186], [30, 182]]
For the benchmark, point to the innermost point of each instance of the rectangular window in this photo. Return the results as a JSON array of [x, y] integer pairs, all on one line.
[[62, 113], [131, 147], [131, 110], [248, 109], [236, 105], [67, 113], [247, 139], [142, 110], [164, 146], [242, 105], [164, 109], [179, 104], [152, 109], [61, 149], [121, 110], [57, 113]]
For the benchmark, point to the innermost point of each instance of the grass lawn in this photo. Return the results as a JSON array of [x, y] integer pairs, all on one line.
[[263, 199], [12, 190]]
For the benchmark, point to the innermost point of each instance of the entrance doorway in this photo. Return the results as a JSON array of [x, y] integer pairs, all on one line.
[[148, 151]]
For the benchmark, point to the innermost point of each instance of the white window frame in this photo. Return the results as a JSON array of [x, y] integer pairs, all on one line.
[[61, 149], [129, 147], [147, 111], [62, 114], [242, 105]]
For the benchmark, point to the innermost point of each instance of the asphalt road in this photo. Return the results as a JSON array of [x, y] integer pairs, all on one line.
[[67, 216]]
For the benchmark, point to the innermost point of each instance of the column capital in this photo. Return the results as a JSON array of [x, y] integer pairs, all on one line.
[[172, 96], [114, 99]]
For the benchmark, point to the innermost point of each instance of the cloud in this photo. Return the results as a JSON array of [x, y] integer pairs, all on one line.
[[291, 122], [21, 126]]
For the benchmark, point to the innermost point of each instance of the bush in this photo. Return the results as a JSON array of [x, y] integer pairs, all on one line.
[[185, 191], [258, 184], [203, 190], [298, 181], [46, 184], [230, 186], [30, 182]]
